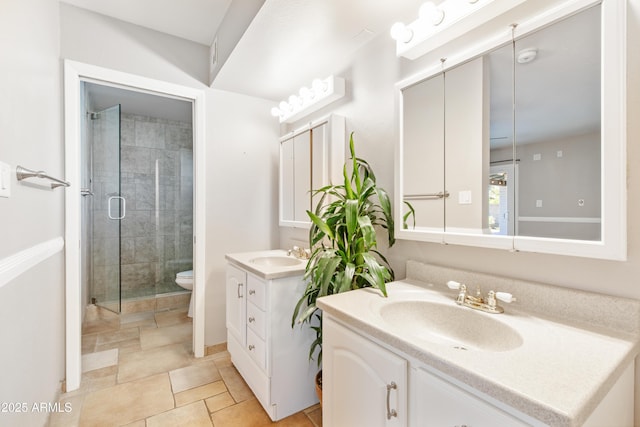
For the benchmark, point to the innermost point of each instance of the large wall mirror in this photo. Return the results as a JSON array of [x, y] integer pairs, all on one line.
[[521, 145]]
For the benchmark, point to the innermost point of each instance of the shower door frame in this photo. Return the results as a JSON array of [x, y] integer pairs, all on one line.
[[74, 74]]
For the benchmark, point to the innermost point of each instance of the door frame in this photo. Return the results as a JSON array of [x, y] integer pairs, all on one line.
[[74, 74]]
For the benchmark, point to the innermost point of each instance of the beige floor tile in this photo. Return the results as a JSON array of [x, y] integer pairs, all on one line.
[[144, 363], [137, 306], [128, 402], [215, 349], [100, 325], [145, 319], [200, 393], [126, 346], [245, 414], [70, 418], [180, 333], [89, 343], [119, 335], [298, 419], [193, 415], [172, 317], [239, 389], [219, 401], [180, 301], [139, 423], [222, 359], [315, 415], [99, 360], [95, 380], [193, 376]]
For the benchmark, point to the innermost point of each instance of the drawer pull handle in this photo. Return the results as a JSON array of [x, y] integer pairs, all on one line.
[[239, 290], [251, 347], [252, 291], [391, 412], [252, 319]]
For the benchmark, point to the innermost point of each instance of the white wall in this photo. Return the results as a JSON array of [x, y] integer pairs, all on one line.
[[241, 139], [32, 304]]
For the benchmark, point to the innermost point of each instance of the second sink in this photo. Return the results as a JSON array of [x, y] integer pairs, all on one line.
[[451, 325]]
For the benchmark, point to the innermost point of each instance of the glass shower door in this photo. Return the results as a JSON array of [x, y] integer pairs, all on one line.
[[109, 208]]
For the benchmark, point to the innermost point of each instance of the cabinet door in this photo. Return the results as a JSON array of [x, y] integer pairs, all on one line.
[[301, 176], [363, 383], [436, 402], [236, 305]]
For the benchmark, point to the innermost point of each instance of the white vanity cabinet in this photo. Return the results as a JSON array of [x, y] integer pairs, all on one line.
[[270, 355], [437, 402], [363, 384]]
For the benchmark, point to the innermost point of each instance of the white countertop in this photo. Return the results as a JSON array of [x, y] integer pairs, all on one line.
[[558, 375], [244, 261]]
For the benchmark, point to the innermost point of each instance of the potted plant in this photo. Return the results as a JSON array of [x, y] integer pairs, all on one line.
[[343, 243]]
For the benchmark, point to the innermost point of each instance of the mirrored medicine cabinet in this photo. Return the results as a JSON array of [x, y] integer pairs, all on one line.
[[519, 142], [310, 158]]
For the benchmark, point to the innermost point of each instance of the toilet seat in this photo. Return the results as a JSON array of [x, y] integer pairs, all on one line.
[[185, 279]]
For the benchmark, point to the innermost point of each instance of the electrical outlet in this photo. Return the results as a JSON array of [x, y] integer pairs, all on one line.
[[538, 203]]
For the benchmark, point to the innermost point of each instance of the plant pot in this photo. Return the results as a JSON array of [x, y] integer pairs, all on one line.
[[318, 383]]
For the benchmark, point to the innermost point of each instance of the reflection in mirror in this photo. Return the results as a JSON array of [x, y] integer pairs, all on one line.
[[557, 123], [423, 152], [503, 168]]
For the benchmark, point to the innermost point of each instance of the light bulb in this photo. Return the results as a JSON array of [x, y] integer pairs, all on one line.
[[431, 13], [284, 106], [295, 101], [306, 95], [319, 86], [275, 112], [401, 33]]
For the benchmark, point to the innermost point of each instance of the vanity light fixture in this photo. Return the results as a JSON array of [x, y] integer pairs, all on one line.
[[437, 25], [429, 12], [321, 93]]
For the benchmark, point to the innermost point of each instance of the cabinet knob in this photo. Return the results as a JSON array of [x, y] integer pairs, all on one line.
[[252, 291], [251, 347], [252, 319]]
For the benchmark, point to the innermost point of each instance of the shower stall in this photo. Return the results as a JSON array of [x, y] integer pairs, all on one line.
[[137, 187]]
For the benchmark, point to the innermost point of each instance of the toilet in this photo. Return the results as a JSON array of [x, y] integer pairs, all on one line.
[[185, 280]]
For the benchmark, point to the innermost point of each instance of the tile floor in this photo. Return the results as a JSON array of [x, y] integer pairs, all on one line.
[[139, 370]]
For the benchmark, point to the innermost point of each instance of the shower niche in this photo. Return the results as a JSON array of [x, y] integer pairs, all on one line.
[[137, 204]]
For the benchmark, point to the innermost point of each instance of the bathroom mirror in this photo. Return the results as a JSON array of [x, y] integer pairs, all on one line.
[[310, 157], [520, 144]]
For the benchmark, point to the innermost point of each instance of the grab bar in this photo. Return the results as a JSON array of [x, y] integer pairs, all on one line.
[[440, 195], [24, 173]]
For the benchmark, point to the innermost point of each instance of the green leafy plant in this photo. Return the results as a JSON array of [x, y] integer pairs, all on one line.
[[343, 242]]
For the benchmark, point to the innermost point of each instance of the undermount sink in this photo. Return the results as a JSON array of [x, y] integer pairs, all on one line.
[[458, 327], [276, 261]]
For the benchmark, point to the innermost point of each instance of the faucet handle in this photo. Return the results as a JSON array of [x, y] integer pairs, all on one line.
[[452, 284], [505, 297]]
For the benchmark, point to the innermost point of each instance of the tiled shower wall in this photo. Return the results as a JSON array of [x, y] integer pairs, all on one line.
[[156, 163]]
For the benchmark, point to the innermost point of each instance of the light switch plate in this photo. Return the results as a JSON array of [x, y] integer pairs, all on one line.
[[464, 197], [5, 180]]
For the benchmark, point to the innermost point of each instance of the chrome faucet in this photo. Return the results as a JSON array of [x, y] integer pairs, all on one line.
[[300, 253], [477, 301]]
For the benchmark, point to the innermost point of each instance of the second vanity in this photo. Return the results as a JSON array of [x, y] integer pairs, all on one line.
[[262, 290], [556, 357]]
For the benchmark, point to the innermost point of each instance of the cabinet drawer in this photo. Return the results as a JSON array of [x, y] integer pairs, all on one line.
[[256, 348], [257, 292], [256, 320]]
